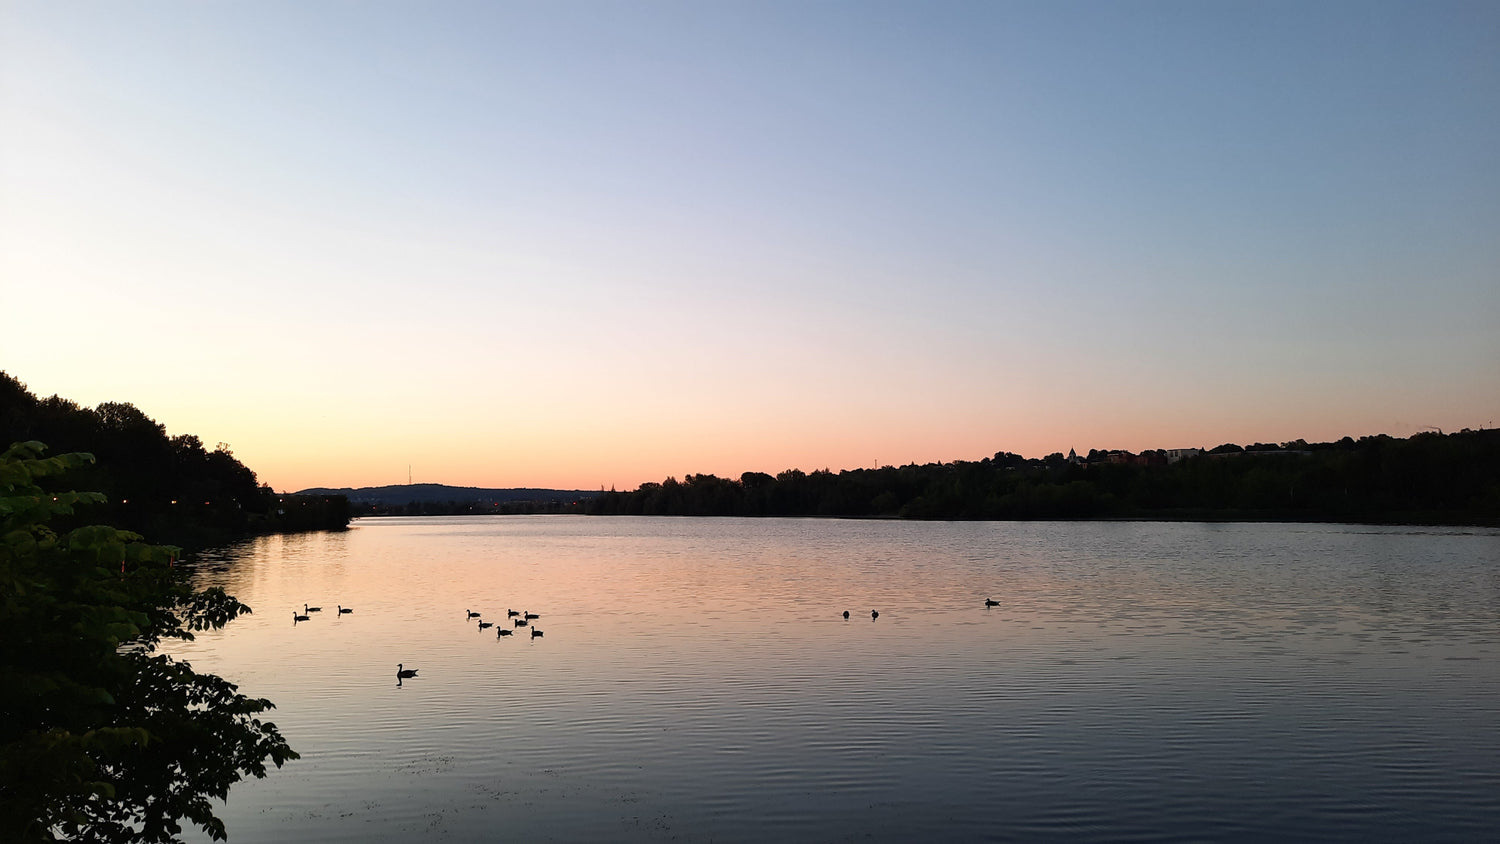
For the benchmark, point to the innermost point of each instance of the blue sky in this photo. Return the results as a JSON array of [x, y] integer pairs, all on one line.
[[573, 244]]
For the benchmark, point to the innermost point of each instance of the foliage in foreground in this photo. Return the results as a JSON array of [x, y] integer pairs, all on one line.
[[102, 738]]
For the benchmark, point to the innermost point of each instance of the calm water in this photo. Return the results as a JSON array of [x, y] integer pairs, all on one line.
[[697, 681]]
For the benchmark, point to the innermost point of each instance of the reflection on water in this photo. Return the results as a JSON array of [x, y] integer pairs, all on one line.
[[698, 680]]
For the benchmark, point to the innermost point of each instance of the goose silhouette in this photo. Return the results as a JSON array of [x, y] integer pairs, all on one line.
[[846, 614], [344, 610], [874, 614], [296, 618], [471, 614], [503, 632], [991, 602], [306, 608], [520, 622], [403, 671], [535, 632], [511, 613], [529, 616], [485, 625]]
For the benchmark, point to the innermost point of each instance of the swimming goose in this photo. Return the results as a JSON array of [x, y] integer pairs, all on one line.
[[520, 622], [344, 611], [511, 613], [402, 671], [306, 608], [846, 613], [529, 616], [296, 618], [503, 632], [991, 602], [471, 614], [874, 614], [485, 625], [535, 632]]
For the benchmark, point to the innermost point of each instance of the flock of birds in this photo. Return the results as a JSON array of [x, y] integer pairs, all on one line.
[[308, 611], [874, 614], [518, 619]]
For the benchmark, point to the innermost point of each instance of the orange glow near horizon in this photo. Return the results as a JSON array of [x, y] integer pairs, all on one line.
[[539, 249]]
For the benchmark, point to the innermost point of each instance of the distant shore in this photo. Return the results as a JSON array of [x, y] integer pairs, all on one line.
[[1427, 479]]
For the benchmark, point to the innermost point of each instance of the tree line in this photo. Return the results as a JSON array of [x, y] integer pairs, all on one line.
[[1428, 478], [171, 488]]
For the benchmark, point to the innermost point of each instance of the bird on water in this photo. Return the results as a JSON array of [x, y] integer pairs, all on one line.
[[535, 632], [503, 632], [404, 672], [307, 609], [991, 602], [484, 625], [471, 614], [296, 618], [874, 614], [344, 610], [846, 614], [511, 613], [520, 622], [529, 616]]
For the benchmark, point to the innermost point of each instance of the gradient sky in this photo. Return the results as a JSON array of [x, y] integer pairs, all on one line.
[[571, 244]]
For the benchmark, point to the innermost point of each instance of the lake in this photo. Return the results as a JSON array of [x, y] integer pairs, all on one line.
[[697, 680]]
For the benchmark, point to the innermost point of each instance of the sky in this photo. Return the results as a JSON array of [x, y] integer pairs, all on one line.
[[594, 244]]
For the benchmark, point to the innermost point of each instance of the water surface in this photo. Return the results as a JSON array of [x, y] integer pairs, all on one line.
[[697, 681]]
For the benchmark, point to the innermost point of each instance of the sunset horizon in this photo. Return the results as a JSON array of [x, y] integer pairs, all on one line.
[[593, 245], [749, 420]]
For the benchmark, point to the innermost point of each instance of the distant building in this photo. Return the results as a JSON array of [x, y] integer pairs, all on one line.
[[1176, 454], [1151, 458]]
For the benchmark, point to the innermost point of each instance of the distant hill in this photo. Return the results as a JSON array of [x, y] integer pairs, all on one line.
[[399, 494]]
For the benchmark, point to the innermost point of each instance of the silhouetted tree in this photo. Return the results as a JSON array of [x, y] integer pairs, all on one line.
[[101, 738]]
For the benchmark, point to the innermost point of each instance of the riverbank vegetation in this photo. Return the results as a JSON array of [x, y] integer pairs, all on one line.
[[170, 488], [101, 737], [1430, 478]]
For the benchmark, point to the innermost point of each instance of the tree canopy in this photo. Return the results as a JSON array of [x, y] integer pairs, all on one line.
[[102, 737], [1428, 478], [171, 488]]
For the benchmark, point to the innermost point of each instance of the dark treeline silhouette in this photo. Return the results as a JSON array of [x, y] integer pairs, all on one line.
[[516, 507], [444, 500], [170, 488], [1429, 478]]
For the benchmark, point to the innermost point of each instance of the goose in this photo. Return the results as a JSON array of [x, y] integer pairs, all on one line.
[[296, 618], [503, 632], [403, 671], [485, 625], [846, 614], [511, 613], [991, 602], [306, 608], [535, 632], [874, 614], [529, 616], [344, 611], [520, 622], [471, 614]]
